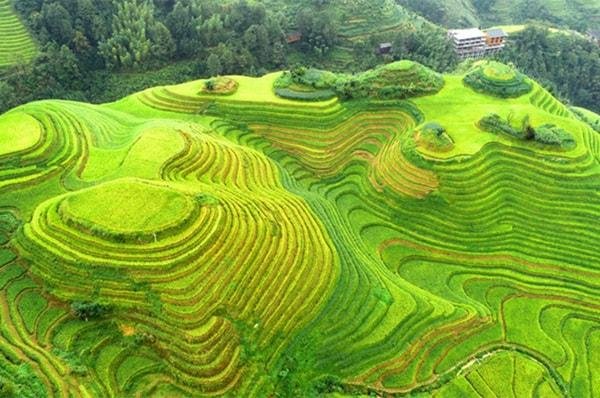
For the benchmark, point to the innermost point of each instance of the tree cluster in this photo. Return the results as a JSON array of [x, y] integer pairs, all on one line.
[[80, 40], [567, 65]]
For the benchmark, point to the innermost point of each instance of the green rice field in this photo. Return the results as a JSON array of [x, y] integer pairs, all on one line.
[[177, 243], [16, 43]]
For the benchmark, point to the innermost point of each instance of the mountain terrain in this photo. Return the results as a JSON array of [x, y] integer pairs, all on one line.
[[303, 233]]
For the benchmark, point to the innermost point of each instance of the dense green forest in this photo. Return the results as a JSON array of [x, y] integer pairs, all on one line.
[[99, 51], [569, 66]]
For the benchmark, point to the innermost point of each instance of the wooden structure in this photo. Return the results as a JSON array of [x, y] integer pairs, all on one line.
[[294, 37]]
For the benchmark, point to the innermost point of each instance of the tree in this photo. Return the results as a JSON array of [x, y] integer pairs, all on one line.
[[86, 310], [57, 21], [213, 65], [131, 43], [256, 40], [7, 97], [183, 22], [319, 33], [163, 46]]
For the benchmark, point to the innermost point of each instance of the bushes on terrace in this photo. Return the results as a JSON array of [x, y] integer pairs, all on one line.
[[399, 80], [434, 137], [522, 129], [220, 85], [498, 80], [7, 389], [86, 310]]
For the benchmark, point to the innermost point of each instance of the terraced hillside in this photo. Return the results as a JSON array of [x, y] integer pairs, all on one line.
[[180, 243], [16, 44], [357, 22]]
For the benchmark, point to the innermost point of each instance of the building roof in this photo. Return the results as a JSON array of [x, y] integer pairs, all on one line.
[[385, 45], [466, 34], [496, 33], [294, 37], [595, 34]]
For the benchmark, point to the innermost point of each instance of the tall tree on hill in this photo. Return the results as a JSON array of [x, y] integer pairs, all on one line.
[[184, 21], [57, 22], [319, 32], [137, 36]]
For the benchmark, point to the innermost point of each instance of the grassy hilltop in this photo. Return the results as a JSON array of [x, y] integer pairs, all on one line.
[[408, 232]]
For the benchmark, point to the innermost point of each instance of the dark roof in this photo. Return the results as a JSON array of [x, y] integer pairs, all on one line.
[[496, 33]]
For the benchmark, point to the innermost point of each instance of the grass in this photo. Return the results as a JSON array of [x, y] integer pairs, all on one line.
[[127, 208], [17, 45], [18, 133], [250, 245]]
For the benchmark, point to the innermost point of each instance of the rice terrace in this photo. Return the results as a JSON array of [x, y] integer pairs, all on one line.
[[396, 232], [17, 44]]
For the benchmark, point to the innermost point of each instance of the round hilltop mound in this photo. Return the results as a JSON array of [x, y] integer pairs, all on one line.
[[18, 132], [498, 79], [126, 210]]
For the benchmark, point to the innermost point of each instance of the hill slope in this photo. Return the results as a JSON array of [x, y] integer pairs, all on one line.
[[16, 44], [210, 239], [579, 14]]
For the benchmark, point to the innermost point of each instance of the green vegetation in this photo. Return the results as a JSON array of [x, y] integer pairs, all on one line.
[[434, 137], [220, 85], [86, 310], [112, 210], [497, 79], [521, 128], [180, 242], [398, 80], [18, 133], [541, 54], [16, 45], [589, 117], [579, 15]]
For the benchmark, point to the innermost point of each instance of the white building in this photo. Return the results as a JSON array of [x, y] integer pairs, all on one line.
[[468, 43], [475, 43]]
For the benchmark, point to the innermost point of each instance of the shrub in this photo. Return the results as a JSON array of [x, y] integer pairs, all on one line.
[[7, 389], [546, 134], [209, 85], [398, 80], [433, 136], [220, 85], [552, 135], [317, 95], [86, 310], [495, 124]]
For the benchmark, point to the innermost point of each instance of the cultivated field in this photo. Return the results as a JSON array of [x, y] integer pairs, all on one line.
[[180, 243], [16, 43]]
